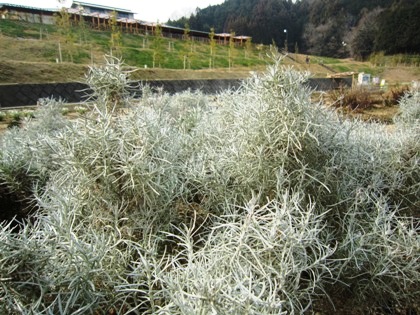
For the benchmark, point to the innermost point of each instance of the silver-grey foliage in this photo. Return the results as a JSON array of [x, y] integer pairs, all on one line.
[[247, 202]]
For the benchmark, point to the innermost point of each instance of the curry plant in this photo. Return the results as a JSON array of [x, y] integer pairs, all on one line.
[[253, 201]]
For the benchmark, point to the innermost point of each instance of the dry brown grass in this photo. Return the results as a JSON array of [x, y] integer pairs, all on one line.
[[399, 75], [367, 105], [170, 74], [376, 113], [40, 72]]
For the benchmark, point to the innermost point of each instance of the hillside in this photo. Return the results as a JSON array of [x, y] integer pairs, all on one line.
[[33, 49], [336, 28]]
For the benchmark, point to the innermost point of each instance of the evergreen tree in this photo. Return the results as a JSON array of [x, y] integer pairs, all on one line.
[[398, 28], [319, 26]]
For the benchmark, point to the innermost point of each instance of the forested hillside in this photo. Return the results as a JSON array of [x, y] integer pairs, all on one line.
[[337, 28]]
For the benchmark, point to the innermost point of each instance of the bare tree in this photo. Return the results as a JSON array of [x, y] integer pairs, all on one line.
[[362, 37]]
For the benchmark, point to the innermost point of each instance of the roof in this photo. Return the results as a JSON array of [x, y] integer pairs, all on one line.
[[341, 74], [87, 4], [223, 34], [27, 7], [124, 20]]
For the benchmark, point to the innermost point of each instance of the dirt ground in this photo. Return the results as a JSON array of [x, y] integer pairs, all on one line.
[[401, 75], [344, 304]]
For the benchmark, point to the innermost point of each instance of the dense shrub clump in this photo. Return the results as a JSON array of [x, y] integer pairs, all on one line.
[[254, 201]]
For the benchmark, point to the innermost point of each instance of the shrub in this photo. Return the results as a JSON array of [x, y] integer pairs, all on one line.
[[81, 110], [395, 95], [109, 84], [409, 109], [65, 111], [380, 247], [15, 115], [260, 259], [372, 176], [28, 114], [250, 201], [26, 156], [353, 99]]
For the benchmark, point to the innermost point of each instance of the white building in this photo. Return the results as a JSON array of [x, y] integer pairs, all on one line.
[[363, 79]]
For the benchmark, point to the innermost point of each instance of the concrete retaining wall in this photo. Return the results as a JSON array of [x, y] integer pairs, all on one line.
[[14, 95], [326, 84]]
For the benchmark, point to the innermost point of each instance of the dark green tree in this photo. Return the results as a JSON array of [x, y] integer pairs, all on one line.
[[398, 28], [336, 28]]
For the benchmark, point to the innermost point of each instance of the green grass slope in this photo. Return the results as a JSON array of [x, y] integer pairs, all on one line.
[[31, 53]]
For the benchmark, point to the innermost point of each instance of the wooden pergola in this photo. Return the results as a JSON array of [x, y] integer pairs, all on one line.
[[223, 36], [241, 39], [343, 75]]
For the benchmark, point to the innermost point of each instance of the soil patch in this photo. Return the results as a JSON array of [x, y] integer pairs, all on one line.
[[401, 75]]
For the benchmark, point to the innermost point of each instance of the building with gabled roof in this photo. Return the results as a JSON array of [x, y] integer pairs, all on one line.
[[27, 13], [98, 16], [90, 9]]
